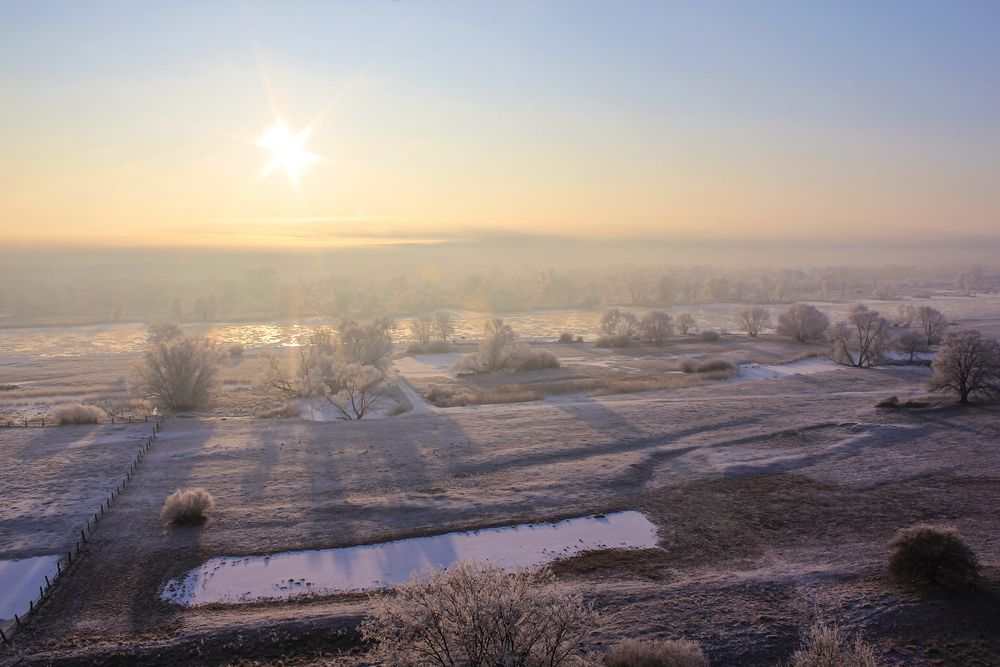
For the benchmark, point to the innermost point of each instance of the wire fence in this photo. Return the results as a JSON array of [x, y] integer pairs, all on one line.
[[65, 563], [43, 422]]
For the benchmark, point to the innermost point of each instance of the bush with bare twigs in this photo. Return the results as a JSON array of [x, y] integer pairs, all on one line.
[[669, 653], [178, 373], [78, 413], [931, 555], [187, 506], [477, 614], [826, 646]]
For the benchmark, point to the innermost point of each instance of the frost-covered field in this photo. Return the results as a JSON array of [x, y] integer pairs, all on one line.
[[770, 496]]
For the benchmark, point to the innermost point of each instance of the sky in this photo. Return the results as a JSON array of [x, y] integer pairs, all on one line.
[[146, 124]]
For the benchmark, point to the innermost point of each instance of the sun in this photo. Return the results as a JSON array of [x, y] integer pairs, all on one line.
[[287, 151]]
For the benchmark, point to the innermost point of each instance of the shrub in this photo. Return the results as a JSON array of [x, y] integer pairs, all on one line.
[[186, 506], [670, 653], [77, 413], [614, 341], [803, 322], [525, 358], [566, 337], [689, 365], [282, 412], [477, 614], [236, 351], [179, 373], [887, 402], [931, 554], [826, 646], [709, 336], [447, 397], [716, 365]]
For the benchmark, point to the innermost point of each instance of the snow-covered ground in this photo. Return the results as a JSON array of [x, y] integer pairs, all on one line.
[[235, 580], [770, 371], [428, 365]]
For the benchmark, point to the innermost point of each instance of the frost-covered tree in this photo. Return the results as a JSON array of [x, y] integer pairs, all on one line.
[[932, 322], [910, 343], [495, 348], [369, 344], [178, 373], [618, 323], [968, 365], [754, 319], [861, 340], [354, 389], [477, 614], [422, 328], [444, 324], [803, 322], [657, 326], [686, 323]]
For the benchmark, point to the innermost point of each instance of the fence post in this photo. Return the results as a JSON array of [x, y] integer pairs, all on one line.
[[4, 637]]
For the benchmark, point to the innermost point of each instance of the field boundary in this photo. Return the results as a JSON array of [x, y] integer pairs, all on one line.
[[65, 563]]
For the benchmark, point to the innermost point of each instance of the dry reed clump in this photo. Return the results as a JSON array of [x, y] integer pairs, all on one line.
[[285, 411], [187, 506], [615, 341], [525, 358], [78, 413], [478, 614], [709, 336], [826, 646], [669, 653], [887, 402], [930, 554]]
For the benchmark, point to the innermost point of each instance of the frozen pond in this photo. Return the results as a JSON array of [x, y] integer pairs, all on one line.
[[235, 580], [19, 582]]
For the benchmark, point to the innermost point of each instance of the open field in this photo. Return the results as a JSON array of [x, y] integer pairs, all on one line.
[[774, 500]]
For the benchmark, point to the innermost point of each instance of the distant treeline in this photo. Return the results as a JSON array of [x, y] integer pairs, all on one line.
[[267, 293]]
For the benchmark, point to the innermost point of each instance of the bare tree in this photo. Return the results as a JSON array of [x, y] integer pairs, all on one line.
[[657, 326], [932, 322], [445, 324], [619, 323], [754, 319], [862, 340], [178, 373], [354, 389], [803, 322], [967, 364], [422, 328], [686, 323], [910, 343], [477, 614]]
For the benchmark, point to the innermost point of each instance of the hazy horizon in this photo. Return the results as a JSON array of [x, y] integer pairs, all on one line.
[[239, 125]]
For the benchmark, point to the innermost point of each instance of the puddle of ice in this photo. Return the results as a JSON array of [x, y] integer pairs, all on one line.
[[801, 367], [19, 582], [236, 580]]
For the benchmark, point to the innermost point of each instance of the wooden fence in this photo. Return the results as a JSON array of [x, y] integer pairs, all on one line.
[[65, 563]]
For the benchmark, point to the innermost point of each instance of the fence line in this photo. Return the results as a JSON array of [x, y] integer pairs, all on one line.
[[42, 422], [65, 563]]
